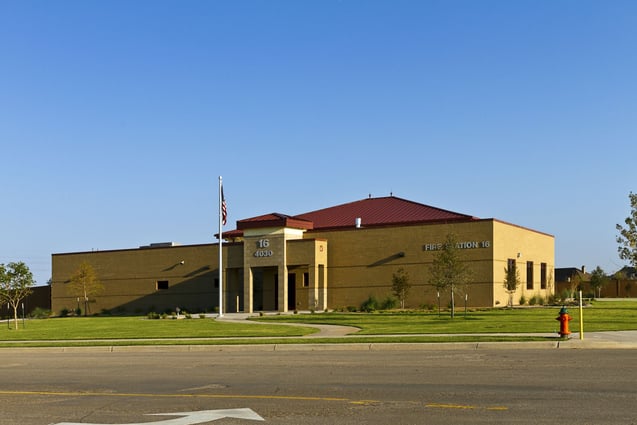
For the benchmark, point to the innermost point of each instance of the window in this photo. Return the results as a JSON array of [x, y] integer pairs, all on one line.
[[542, 275], [306, 280], [529, 275], [162, 284], [511, 265]]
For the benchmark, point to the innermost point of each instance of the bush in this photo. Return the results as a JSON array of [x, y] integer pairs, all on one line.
[[370, 305], [552, 299], [153, 316], [65, 312], [40, 313], [522, 300], [389, 303]]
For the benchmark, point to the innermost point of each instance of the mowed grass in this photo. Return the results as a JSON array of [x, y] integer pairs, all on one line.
[[112, 328], [599, 316]]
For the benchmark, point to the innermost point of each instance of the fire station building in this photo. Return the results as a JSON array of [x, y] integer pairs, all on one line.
[[326, 259]]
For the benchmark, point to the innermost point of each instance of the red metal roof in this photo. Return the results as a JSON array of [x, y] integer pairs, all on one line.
[[274, 220], [372, 212], [379, 212]]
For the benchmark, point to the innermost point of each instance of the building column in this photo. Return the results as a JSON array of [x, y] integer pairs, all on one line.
[[322, 287], [248, 293], [312, 293], [282, 295]]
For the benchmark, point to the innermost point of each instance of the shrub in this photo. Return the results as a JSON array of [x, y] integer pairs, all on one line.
[[552, 299], [153, 316], [370, 305], [522, 300], [65, 312], [389, 303], [40, 313]]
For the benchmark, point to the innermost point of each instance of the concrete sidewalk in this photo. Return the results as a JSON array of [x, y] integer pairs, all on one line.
[[599, 340], [591, 340]]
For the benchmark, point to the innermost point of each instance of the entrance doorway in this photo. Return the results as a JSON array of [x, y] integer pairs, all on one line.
[[264, 288]]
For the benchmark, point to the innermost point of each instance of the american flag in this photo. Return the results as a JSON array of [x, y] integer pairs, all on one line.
[[224, 211]]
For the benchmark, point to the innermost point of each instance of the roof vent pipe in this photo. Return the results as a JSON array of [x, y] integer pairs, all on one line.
[[358, 222]]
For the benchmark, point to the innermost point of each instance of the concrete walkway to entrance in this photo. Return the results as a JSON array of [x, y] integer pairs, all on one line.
[[324, 331]]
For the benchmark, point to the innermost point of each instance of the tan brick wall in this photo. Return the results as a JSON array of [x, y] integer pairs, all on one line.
[[359, 263], [130, 278], [362, 261], [511, 241]]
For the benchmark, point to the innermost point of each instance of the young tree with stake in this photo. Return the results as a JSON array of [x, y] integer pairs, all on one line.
[[448, 270], [598, 280], [400, 285], [511, 280], [84, 284], [16, 281]]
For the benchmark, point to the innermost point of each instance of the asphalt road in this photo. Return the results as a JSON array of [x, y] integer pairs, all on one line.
[[427, 386]]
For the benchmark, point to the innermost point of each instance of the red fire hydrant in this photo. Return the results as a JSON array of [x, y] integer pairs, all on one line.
[[564, 318]]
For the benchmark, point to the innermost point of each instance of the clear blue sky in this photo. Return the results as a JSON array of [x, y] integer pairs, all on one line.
[[117, 117]]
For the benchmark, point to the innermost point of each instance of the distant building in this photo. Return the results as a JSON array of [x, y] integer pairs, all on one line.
[[330, 258], [622, 284], [40, 298]]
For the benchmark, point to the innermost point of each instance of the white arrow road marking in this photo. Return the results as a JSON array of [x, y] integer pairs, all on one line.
[[191, 418]]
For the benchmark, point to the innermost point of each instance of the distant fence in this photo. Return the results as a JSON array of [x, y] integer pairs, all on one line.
[[615, 288]]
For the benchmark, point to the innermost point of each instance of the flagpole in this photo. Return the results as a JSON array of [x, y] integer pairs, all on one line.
[[220, 248]]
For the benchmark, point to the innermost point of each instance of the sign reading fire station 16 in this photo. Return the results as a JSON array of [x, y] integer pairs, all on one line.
[[459, 245]]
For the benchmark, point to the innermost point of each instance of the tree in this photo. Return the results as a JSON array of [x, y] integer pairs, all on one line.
[[84, 284], [511, 280], [627, 238], [575, 283], [598, 280], [16, 281], [400, 285], [448, 269]]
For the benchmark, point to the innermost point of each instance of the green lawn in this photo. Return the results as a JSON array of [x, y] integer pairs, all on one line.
[[600, 316], [78, 328]]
